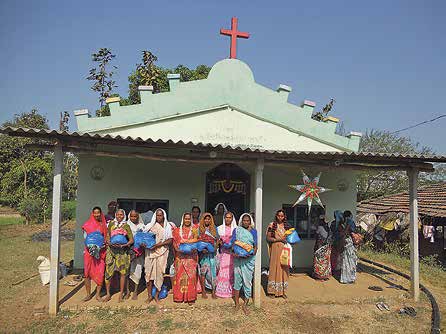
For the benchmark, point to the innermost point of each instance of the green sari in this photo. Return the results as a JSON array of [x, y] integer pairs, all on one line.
[[244, 266]]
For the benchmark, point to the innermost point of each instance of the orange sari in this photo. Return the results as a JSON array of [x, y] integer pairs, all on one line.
[[185, 280]]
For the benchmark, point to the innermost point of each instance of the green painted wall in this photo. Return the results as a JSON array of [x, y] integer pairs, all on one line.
[[180, 182], [230, 83]]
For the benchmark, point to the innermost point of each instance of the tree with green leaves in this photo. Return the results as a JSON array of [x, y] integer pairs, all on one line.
[[383, 182], [148, 73], [22, 172], [102, 78], [27, 176]]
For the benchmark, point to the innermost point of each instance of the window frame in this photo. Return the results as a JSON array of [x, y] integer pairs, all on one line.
[[150, 201], [309, 234]]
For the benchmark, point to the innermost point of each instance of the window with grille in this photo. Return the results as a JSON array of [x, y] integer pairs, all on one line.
[[298, 218], [143, 205]]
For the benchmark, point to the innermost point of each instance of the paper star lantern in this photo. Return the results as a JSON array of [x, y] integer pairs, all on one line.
[[310, 191]]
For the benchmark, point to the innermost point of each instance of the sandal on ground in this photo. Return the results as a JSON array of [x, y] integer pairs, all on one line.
[[71, 283], [78, 278], [382, 306], [409, 310], [375, 288]]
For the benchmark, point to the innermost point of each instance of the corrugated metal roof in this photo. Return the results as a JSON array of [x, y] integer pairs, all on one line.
[[363, 157], [431, 202]]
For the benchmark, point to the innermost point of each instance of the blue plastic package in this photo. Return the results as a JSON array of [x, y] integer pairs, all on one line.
[[94, 238], [202, 245], [119, 239], [163, 292], [293, 238], [146, 238], [240, 251], [187, 248]]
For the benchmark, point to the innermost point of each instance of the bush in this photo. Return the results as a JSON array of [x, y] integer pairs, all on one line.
[[68, 210], [32, 208]]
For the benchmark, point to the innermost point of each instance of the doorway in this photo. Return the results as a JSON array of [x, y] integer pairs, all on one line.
[[229, 184]]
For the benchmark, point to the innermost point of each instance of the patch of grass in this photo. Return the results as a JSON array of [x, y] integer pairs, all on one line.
[[166, 324], [49, 325], [110, 326], [66, 314], [11, 221], [102, 313], [76, 328], [434, 274], [152, 309]]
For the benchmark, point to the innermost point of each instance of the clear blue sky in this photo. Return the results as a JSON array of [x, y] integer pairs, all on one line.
[[383, 61]]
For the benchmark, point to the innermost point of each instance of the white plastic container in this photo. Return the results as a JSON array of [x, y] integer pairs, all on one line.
[[44, 269]]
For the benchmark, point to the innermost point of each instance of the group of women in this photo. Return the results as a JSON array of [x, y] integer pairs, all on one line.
[[334, 250], [221, 272]]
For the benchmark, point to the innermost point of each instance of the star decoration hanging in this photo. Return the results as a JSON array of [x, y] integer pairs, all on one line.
[[310, 190]]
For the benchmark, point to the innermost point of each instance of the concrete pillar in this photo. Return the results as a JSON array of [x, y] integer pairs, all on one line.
[[259, 227], [55, 230], [414, 253]]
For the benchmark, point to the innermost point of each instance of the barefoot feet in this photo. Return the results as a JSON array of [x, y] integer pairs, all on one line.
[[87, 298], [106, 298]]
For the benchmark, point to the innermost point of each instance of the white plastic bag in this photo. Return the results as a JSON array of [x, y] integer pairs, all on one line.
[[44, 269]]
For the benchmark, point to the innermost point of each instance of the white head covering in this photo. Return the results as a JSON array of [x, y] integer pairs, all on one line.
[[135, 227], [225, 209], [221, 229], [122, 222], [167, 225], [181, 225], [253, 224]]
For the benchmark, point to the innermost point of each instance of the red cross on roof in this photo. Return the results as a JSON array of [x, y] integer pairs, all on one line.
[[234, 34]]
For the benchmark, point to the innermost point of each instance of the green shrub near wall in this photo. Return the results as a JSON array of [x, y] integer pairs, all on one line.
[[68, 210]]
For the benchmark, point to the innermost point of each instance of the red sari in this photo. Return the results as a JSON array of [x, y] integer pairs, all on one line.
[[185, 280], [94, 268]]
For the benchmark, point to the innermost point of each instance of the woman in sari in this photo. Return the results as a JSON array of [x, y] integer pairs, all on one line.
[[118, 256], [322, 251], [185, 279], [137, 260], [94, 266], [348, 258], [278, 274], [335, 230], [225, 276], [219, 214], [244, 266], [156, 257], [208, 265]]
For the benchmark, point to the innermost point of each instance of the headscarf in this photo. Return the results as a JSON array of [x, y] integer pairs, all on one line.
[[191, 225], [167, 225], [221, 229], [253, 224], [122, 222], [91, 224], [211, 227], [225, 209], [136, 227]]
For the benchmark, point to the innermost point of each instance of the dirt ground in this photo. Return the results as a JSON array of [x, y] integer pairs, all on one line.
[[312, 306]]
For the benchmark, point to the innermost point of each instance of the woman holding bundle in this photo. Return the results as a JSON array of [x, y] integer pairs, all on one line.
[[185, 279], [246, 235], [118, 256], [225, 276], [94, 258], [208, 265]]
